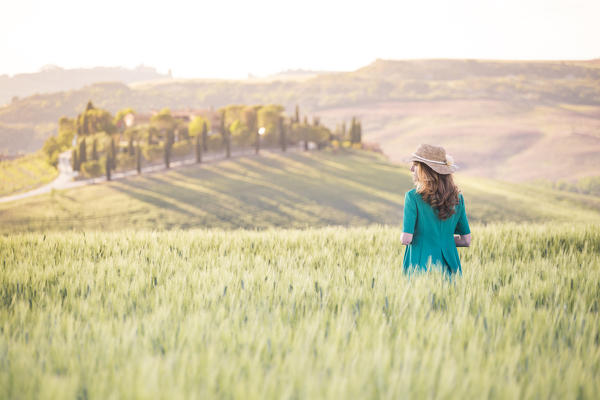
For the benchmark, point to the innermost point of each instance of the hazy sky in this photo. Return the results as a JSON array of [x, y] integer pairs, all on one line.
[[229, 39]]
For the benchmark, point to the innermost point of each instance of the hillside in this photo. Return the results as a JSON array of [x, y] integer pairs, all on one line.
[[25, 173], [293, 190], [55, 79], [511, 120], [488, 138]]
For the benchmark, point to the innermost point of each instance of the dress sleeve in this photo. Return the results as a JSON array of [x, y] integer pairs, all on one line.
[[410, 214], [462, 226]]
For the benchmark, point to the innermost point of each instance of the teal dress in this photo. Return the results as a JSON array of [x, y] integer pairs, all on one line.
[[433, 238]]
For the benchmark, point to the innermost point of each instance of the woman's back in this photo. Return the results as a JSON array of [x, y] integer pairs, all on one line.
[[433, 213]]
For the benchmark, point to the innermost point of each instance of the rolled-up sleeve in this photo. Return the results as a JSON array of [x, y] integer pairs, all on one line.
[[462, 226], [409, 219]]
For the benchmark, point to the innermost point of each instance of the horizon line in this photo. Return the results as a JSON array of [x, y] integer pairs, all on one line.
[[252, 75]]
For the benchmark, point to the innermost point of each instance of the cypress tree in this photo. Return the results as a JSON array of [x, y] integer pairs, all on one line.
[[138, 158], [305, 129], [130, 148], [297, 118], [82, 151], [228, 142], [282, 137], [91, 125], [113, 153], [107, 166], [167, 156], [359, 132], [95, 150], [74, 160], [198, 150], [204, 137], [226, 135], [168, 150], [257, 143], [84, 124]]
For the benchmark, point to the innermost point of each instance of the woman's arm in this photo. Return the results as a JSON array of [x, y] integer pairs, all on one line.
[[406, 238], [462, 240]]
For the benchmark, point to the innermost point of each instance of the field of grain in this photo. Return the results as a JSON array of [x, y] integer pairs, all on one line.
[[298, 314]]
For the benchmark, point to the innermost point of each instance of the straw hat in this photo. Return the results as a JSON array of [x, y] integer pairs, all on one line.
[[435, 157]]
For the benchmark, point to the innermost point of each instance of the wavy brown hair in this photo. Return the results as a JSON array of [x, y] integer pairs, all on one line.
[[438, 190]]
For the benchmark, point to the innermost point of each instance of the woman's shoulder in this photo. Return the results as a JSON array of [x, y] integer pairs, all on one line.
[[461, 200], [411, 193]]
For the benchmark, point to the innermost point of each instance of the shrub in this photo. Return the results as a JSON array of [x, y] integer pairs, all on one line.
[[153, 152], [53, 159], [181, 149], [590, 185], [215, 143], [92, 169], [51, 149], [125, 161]]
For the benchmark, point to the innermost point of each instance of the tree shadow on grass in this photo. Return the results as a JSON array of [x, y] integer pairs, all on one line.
[[254, 192], [275, 179], [208, 205], [321, 179], [380, 175], [138, 192]]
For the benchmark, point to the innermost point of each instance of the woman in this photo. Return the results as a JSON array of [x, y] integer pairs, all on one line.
[[435, 222]]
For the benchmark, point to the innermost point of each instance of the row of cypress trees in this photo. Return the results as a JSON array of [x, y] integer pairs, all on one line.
[[80, 154]]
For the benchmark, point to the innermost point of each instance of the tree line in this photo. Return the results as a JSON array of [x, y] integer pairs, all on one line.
[[101, 143]]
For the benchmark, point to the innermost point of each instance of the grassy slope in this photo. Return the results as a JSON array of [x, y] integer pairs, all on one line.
[[25, 173], [323, 313], [294, 190]]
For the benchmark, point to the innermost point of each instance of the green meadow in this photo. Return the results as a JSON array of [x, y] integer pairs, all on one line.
[[293, 190], [280, 276], [25, 173]]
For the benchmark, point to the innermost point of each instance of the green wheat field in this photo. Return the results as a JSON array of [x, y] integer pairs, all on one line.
[[293, 288]]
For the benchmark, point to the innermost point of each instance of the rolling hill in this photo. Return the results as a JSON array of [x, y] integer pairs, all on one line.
[[292, 190], [52, 78], [489, 138], [510, 120]]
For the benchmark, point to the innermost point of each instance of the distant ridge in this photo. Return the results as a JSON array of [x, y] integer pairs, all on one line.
[[52, 78], [455, 69]]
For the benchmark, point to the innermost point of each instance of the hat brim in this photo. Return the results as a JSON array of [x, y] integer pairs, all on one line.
[[439, 168]]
